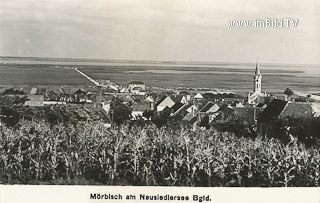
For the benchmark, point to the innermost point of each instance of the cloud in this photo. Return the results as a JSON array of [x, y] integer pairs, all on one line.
[[163, 30]]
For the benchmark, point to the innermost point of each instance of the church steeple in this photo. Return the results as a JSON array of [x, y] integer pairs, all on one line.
[[257, 79], [257, 82], [257, 72]]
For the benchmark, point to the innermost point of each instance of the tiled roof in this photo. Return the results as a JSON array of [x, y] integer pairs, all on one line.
[[222, 107], [161, 100], [273, 110], [188, 106], [193, 120], [207, 107], [279, 108], [176, 107]]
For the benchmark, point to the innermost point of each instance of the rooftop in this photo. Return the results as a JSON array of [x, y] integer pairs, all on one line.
[[176, 107], [141, 106], [273, 110], [207, 107], [137, 82]]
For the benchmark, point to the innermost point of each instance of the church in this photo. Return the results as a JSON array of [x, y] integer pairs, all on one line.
[[254, 97]]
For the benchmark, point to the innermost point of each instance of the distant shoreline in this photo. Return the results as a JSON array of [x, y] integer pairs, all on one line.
[[138, 61]]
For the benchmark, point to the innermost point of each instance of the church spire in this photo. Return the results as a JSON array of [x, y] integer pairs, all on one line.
[[257, 72]]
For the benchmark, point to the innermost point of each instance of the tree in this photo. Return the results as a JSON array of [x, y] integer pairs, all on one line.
[[9, 115], [161, 118], [148, 114], [13, 91], [288, 92], [121, 112]]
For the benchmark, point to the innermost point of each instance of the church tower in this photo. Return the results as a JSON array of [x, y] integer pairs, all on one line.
[[257, 79]]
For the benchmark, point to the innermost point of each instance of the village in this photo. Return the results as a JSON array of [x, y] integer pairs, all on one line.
[[196, 109]]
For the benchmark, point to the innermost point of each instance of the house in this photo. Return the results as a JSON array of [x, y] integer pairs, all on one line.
[[248, 114], [237, 104], [179, 98], [138, 91], [139, 108], [164, 102], [210, 107], [35, 100], [105, 105], [138, 84], [224, 113], [138, 98], [198, 96], [186, 94], [54, 103], [51, 95], [150, 99], [193, 123], [191, 109], [185, 112], [33, 91], [190, 120], [80, 92], [278, 109], [176, 108]]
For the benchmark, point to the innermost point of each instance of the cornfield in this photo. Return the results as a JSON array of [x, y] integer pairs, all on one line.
[[35, 153]]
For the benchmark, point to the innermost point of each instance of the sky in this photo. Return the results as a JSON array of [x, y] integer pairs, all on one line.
[[170, 30]]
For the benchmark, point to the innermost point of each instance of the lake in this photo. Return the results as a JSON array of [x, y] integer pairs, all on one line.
[[233, 76]]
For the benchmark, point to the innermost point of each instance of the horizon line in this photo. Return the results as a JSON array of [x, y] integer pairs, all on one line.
[[144, 60]]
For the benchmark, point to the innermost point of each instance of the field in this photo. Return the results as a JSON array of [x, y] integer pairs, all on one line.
[[233, 76], [34, 153]]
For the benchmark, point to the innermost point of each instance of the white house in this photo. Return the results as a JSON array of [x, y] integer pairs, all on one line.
[[164, 102]]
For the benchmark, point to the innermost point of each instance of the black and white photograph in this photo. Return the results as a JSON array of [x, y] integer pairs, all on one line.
[[159, 100]]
